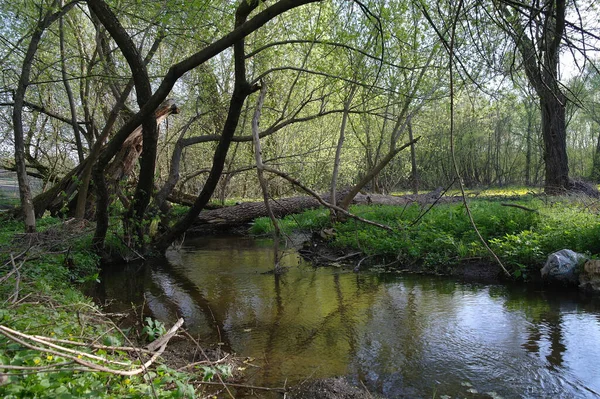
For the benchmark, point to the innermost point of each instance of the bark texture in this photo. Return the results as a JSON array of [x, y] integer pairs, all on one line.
[[241, 91]]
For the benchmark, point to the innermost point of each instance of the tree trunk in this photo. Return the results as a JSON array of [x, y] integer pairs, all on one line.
[[595, 174], [175, 72], [413, 161], [555, 144], [541, 60], [347, 200], [143, 91], [67, 85], [173, 177], [97, 147], [246, 212], [340, 144], [261, 178], [528, 148]]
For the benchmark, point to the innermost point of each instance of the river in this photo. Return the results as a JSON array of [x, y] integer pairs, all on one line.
[[399, 335]]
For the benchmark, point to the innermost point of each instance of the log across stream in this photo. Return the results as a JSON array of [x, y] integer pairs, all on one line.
[[246, 212]]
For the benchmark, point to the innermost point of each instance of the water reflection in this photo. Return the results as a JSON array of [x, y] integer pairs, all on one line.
[[404, 336]]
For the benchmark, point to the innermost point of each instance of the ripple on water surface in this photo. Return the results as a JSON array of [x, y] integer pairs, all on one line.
[[403, 336]]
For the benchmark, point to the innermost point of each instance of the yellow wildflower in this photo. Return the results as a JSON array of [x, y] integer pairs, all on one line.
[[49, 358], [127, 381], [37, 361]]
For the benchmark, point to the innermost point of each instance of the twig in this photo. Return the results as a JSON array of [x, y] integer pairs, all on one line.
[[520, 207], [15, 336], [163, 340], [20, 301], [18, 256], [341, 257], [4, 330], [15, 296], [366, 390], [357, 267], [450, 49], [260, 174], [14, 270], [140, 256], [347, 256], [95, 346], [221, 382], [59, 370], [187, 366], [50, 366], [433, 204]]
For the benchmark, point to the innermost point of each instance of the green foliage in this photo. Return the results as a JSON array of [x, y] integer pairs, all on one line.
[[561, 225], [50, 306], [521, 248], [314, 219], [71, 317], [444, 236], [153, 329], [224, 370]]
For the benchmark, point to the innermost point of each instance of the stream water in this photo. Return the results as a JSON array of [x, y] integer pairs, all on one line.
[[400, 336]]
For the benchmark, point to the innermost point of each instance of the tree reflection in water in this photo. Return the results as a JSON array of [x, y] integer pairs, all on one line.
[[409, 336]]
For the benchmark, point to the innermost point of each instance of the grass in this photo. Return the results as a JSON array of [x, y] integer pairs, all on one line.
[[314, 219], [443, 237]]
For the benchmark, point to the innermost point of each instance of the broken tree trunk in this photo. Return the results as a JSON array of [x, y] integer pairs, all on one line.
[[127, 157], [124, 162]]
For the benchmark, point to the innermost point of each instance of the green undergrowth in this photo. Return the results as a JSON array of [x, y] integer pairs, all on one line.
[[40, 295], [443, 237], [313, 219]]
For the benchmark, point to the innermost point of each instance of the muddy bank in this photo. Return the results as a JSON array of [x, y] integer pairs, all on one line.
[[319, 252]]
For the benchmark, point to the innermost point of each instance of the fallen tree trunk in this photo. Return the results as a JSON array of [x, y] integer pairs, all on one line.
[[248, 211]]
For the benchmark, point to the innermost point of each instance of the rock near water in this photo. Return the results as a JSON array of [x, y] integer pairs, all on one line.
[[572, 268], [562, 267]]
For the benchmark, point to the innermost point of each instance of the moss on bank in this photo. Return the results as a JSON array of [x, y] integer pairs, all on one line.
[[442, 237]]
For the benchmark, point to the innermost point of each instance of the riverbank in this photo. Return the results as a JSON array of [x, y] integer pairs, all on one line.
[[399, 334], [56, 342], [42, 275], [520, 230]]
